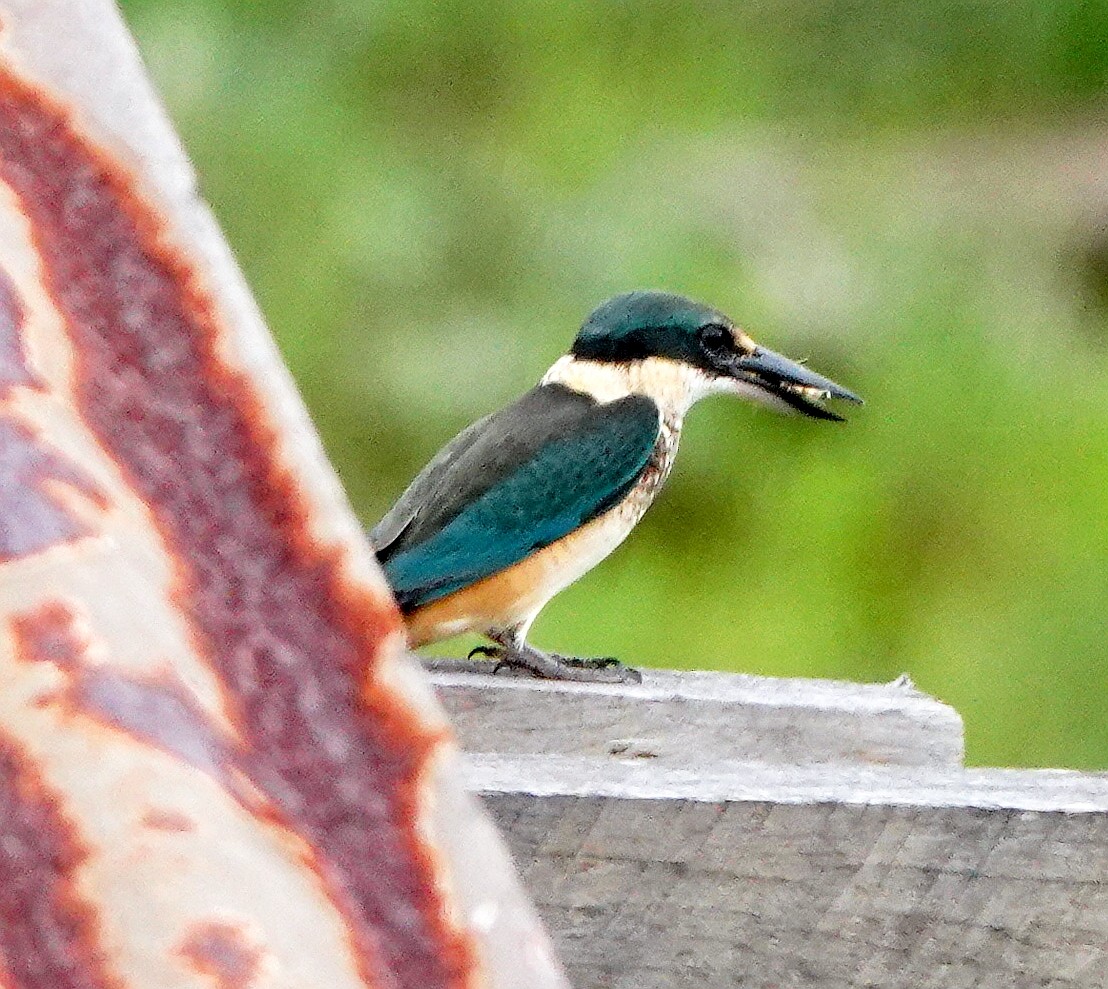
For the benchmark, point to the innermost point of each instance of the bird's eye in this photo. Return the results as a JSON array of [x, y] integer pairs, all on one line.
[[716, 337]]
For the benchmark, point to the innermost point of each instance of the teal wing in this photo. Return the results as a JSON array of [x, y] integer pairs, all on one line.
[[513, 483]]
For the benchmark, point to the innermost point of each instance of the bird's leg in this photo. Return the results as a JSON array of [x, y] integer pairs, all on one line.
[[512, 650]]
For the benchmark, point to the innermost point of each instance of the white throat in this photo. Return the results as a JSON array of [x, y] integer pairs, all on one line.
[[673, 386]]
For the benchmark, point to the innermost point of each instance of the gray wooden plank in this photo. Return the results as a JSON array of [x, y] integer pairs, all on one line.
[[816, 894], [675, 717], [745, 836], [711, 781]]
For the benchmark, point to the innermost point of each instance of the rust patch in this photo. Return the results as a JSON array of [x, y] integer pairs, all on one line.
[[168, 820], [295, 644], [223, 952], [49, 936], [48, 634]]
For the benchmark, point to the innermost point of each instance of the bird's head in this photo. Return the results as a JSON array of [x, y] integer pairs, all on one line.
[[640, 325]]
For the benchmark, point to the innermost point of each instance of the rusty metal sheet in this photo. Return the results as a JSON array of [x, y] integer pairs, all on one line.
[[217, 768]]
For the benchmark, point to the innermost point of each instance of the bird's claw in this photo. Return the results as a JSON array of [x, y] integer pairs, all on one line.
[[609, 664], [625, 674], [497, 653], [493, 652], [590, 662]]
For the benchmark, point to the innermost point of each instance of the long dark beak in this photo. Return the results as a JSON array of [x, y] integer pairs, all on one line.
[[792, 383]]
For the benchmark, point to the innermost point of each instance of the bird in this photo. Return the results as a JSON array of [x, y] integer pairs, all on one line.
[[528, 499]]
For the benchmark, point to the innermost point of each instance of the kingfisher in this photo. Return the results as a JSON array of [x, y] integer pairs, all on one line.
[[526, 500]]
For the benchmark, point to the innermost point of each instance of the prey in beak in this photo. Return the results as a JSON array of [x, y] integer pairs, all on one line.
[[792, 383]]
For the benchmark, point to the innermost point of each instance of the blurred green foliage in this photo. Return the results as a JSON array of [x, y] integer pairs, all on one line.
[[428, 197]]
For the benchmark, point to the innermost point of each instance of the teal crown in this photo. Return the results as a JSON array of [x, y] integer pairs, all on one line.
[[642, 324]]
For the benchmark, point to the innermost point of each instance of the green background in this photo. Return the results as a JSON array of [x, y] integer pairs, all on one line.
[[429, 197]]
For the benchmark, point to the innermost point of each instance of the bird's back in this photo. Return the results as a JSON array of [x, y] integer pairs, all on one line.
[[510, 484]]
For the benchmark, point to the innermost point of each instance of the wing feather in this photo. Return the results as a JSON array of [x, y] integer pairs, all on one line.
[[511, 484]]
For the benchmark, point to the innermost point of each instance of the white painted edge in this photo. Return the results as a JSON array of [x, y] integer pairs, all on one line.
[[1061, 790]]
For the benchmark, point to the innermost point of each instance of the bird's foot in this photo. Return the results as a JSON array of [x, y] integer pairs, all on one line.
[[551, 666]]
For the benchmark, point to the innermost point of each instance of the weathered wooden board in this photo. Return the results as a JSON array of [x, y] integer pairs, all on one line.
[[660, 894], [676, 718], [691, 870]]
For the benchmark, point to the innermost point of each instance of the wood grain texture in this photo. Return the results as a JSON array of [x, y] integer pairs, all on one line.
[[720, 862], [683, 893]]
